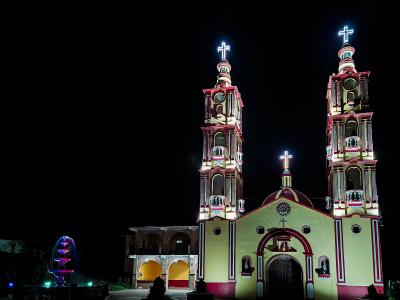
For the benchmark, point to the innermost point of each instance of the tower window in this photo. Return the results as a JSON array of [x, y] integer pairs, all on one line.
[[219, 139], [353, 179], [351, 128], [218, 184]]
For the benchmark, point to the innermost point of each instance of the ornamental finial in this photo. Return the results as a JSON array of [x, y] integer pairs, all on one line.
[[345, 33], [285, 159], [223, 48]]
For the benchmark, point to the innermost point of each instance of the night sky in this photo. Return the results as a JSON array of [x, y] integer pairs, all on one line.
[[105, 132]]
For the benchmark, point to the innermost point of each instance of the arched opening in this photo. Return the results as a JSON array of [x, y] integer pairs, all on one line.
[[179, 244], [351, 128], [323, 265], [219, 139], [151, 244], [284, 278], [218, 185], [178, 274], [148, 271], [353, 179], [247, 268], [262, 273]]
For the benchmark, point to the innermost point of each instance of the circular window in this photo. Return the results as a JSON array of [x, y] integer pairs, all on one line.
[[283, 209], [306, 229], [260, 229], [219, 97], [356, 228], [350, 84], [217, 230]]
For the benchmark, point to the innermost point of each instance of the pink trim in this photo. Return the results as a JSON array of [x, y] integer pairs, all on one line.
[[269, 203], [324, 275], [357, 204], [356, 116], [357, 74], [222, 289], [354, 161], [284, 231], [351, 292], [178, 283]]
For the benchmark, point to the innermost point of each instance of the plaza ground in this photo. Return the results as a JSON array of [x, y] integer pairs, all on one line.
[[136, 294]]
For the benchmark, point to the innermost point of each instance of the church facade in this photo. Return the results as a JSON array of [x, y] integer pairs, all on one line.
[[286, 248]]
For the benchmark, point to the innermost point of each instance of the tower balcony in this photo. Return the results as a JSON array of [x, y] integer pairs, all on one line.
[[355, 198], [217, 202], [218, 152], [352, 144], [329, 152], [239, 157]]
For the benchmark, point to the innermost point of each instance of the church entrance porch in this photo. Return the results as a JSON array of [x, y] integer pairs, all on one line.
[[178, 274], [284, 278]]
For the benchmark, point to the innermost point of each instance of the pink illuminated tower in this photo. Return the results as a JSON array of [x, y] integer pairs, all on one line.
[[221, 181], [350, 151]]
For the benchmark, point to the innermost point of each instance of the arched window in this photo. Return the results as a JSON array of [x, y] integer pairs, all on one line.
[[218, 185], [323, 265], [219, 139], [351, 128], [353, 179], [246, 265]]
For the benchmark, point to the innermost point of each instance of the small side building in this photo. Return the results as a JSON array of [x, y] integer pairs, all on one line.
[[169, 252]]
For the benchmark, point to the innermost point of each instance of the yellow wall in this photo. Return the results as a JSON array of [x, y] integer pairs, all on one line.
[[358, 252], [179, 271], [149, 271], [216, 251], [321, 239]]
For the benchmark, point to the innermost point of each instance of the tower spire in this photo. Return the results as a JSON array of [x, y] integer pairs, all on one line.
[[286, 175], [346, 53], [223, 67]]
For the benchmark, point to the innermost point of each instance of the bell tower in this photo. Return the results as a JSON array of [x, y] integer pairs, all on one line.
[[221, 182], [350, 153]]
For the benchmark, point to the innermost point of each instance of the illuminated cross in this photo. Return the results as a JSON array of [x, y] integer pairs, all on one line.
[[283, 221], [223, 49], [286, 158], [345, 33]]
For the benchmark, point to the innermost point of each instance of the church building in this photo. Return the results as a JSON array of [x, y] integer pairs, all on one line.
[[286, 248]]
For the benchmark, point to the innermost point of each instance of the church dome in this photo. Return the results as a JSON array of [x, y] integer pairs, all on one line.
[[290, 194]]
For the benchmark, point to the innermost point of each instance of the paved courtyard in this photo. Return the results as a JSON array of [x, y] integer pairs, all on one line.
[[136, 294]]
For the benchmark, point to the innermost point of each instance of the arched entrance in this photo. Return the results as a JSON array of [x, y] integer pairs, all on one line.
[[148, 271], [178, 274], [308, 284], [284, 278]]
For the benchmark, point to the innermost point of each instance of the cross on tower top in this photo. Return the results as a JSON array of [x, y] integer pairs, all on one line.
[[223, 48], [286, 158], [345, 33]]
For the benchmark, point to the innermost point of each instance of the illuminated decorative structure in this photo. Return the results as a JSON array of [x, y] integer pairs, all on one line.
[[350, 151], [286, 248], [221, 182]]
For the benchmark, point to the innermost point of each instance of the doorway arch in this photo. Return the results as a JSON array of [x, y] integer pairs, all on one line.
[[284, 278], [308, 255], [178, 274]]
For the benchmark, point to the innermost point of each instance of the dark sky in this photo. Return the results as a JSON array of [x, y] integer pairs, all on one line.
[[108, 101]]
